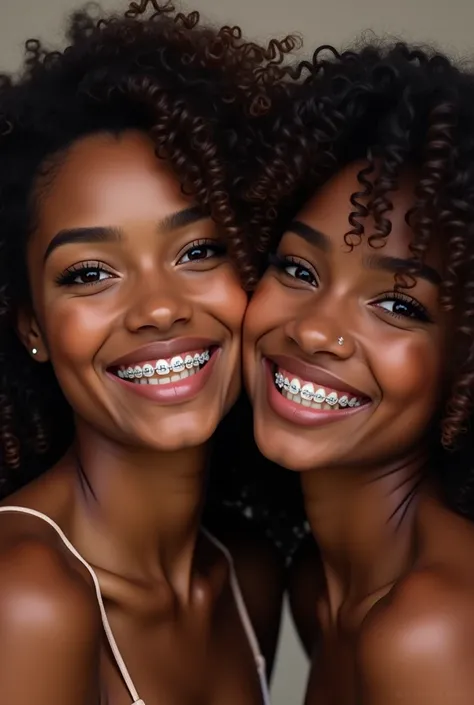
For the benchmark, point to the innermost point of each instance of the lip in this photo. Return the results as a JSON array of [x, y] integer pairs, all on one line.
[[302, 415], [163, 349], [174, 392], [310, 373]]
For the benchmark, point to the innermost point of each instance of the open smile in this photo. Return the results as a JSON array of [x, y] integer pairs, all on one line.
[[309, 402], [171, 379]]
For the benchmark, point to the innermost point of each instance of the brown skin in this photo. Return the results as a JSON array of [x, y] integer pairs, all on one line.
[[394, 605], [136, 518]]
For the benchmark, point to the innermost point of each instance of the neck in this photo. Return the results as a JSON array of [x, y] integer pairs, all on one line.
[[364, 522], [138, 510]]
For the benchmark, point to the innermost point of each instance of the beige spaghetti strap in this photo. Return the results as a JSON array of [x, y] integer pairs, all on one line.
[[108, 631], [245, 619]]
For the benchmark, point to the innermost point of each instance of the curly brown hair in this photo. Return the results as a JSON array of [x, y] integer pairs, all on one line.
[[193, 89], [391, 106]]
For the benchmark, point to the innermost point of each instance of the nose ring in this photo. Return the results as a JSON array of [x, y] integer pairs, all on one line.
[[340, 340]]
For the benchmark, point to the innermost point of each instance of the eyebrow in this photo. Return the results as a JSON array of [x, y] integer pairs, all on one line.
[[311, 235], [398, 265], [172, 222], [395, 265]]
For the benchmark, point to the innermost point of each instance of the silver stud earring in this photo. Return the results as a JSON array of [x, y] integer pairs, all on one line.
[[34, 351], [340, 340]]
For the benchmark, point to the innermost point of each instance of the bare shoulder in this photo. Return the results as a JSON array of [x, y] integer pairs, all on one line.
[[417, 645], [49, 623]]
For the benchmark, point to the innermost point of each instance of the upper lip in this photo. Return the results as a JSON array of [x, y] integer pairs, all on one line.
[[163, 349], [315, 374]]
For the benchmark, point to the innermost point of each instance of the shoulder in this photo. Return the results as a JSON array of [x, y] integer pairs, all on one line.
[[49, 624], [33, 566], [417, 645]]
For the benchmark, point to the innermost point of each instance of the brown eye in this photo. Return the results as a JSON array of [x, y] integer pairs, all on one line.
[[200, 251], [84, 275], [400, 307], [90, 276], [297, 271], [197, 253]]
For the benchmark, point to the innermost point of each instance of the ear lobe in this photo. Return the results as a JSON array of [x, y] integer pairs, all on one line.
[[30, 335]]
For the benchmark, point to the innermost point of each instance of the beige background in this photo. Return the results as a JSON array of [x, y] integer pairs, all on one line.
[[448, 23]]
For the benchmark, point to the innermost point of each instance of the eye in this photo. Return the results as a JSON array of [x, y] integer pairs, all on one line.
[[294, 268], [202, 250], [84, 274], [398, 305]]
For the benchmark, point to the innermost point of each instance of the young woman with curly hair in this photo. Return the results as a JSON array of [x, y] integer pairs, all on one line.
[[121, 162], [359, 359]]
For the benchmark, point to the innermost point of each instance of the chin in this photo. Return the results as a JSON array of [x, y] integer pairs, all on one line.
[[282, 455], [178, 433], [295, 452]]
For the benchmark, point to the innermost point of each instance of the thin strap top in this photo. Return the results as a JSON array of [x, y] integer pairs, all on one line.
[[239, 601]]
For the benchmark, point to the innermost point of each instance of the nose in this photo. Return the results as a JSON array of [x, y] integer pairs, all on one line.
[[321, 329], [159, 304]]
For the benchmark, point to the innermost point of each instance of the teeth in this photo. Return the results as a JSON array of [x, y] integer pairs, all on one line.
[[295, 386], [162, 367], [177, 364], [331, 399], [177, 368], [305, 395], [320, 395]]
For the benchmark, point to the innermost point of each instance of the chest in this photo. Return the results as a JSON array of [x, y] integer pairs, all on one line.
[[183, 659]]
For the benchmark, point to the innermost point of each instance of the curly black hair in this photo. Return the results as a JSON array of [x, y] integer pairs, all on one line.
[[389, 105], [193, 89]]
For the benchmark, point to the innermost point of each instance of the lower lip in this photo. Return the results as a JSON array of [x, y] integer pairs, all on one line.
[[302, 415], [174, 392]]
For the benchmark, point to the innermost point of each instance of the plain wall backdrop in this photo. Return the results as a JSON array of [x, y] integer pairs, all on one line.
[[449, 25]]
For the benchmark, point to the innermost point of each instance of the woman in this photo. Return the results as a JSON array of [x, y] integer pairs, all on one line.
[[358, 355], [120, 350]]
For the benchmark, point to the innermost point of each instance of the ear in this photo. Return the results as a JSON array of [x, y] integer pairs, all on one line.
[[31, 336]]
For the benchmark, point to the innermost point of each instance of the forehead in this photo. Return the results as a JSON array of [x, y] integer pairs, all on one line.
[[106, 179], [329, 209]]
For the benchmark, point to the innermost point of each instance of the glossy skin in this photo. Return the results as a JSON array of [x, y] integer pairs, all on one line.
[[393, 583], [134, 512]]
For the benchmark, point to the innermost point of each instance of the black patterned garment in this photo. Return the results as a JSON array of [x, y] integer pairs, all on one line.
[[244, 484]]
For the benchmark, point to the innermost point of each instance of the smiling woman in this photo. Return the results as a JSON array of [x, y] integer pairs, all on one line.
[[124, 259], [359, 360]]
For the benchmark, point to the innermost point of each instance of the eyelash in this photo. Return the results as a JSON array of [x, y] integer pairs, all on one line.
[[68, 277], [421, 312], [283, 263], [218, 248]]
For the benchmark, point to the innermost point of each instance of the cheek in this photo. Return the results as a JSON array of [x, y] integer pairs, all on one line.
[[75, 328], [224, 298], [264, 311], [409, 371]]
